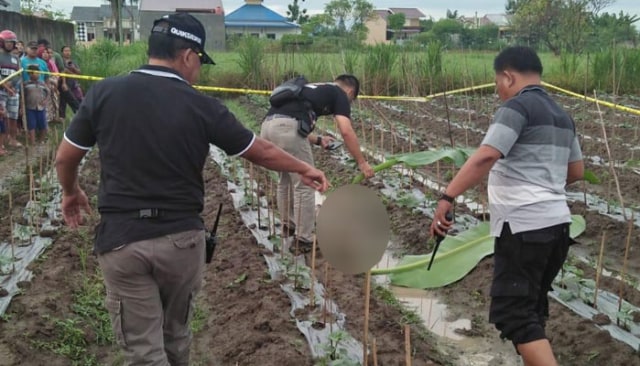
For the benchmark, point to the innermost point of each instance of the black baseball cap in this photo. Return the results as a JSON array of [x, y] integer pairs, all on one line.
[[184, 26], [32, 44]]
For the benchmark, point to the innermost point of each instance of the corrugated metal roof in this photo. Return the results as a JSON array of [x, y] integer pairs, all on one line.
[[254, 12], [409, 13], [85, 13], [172, 5], [498, 19]]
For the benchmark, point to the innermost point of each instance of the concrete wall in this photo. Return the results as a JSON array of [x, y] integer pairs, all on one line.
[[30, 28], [213, 25], [263, 32], [377, 30]]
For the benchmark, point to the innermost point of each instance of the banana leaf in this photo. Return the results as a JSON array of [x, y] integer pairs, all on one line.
[[456, 257], [422, 158]]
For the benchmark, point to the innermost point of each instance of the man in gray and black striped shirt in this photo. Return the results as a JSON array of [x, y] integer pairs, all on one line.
[[531, 153]]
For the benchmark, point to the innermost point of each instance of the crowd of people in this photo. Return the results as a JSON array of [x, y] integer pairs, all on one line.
[[28, 104]]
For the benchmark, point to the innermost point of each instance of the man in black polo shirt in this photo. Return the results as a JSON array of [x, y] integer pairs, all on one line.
[[296, 202], [153, 130]]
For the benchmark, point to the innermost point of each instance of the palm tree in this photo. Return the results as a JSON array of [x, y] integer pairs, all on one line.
[[116, 11]]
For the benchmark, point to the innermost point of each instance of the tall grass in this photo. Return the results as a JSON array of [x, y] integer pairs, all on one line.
[[251, 58], [382, 69], [379, 63]]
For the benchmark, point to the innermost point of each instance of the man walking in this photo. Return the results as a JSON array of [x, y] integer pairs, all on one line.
[[154, 132], [282, 126], [531, 153]]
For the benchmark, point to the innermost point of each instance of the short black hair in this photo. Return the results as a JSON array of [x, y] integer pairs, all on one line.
[[165, 47], [44, 42], [33, 67], [518, 58], [350, 81]]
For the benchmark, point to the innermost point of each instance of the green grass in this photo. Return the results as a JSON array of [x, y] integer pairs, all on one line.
[[258, 66]]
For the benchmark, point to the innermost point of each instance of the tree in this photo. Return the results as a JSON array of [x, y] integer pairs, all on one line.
[[396, 23], [42, 8], [318, 25], [295, 14], [350, 12], [452, 14], [558, 24], [116, 11]]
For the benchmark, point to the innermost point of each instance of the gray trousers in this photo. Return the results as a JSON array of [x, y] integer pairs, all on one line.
[[151, 289], [296, 201]]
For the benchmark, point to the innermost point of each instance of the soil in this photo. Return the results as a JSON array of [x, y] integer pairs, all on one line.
[[245, 314]]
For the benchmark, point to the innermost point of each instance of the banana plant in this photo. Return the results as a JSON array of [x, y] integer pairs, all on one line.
[[422, 158], [457, 256], [428, 157]]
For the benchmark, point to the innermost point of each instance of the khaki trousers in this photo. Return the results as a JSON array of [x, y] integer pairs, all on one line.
[[151, 288], [296, 201]]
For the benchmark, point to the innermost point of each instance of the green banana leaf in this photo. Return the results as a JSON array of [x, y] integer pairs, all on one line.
[[422, 158], [456, 257]]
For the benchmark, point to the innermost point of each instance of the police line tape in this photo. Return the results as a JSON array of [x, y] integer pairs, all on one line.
[[594, 100], [11, 76], [373, 97]]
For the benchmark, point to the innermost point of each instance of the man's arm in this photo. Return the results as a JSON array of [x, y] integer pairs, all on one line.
[[472, 172], [270, 156], [74, 200], [351, 142], [575, 171]]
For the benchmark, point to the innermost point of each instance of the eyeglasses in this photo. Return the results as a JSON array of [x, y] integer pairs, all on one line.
[[200, 55]]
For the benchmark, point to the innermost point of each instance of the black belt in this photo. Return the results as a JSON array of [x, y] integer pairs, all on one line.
[[150, 213]]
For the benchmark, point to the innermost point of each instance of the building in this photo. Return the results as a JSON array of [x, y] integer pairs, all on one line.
[[379, 31], [94, 23], [255, 19], [209, 12], [10, 5], [502, 21]]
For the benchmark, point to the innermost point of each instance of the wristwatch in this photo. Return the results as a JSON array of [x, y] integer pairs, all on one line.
[[446, 197], [319, 140]]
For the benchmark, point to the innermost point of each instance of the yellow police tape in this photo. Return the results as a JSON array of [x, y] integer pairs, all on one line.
[[601, 102], [374, 97], [16, 73]]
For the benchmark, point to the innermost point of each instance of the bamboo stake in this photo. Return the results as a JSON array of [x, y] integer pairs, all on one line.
[[269, 212], [625, 261], [373, 137], [259, 208], [365, 338], [312, 299], [375, 352], [611, 165], [599, 270], [13, 241], [326, 292], [407, 344]]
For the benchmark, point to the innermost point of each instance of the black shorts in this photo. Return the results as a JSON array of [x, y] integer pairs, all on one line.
[[525, 265]]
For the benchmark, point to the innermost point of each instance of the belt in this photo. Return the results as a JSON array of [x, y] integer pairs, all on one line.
[[274, 116], [150, 213]]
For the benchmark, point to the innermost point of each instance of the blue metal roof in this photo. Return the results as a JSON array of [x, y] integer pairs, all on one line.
[[256, 15]]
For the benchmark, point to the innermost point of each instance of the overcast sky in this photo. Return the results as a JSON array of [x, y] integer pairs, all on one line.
[[431, 8]]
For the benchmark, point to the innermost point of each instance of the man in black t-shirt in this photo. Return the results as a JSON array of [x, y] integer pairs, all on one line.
[[154, 132], [296, 202]]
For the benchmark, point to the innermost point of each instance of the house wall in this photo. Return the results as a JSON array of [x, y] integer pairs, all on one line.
[[213, 25], [264, 32], [377, 31], [93, 31], [412, 22], [30, 28]]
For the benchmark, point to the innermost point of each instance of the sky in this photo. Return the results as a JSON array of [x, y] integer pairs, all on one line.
[[431, 8]]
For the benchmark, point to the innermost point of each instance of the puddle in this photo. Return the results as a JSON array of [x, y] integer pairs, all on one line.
[[433, 312]]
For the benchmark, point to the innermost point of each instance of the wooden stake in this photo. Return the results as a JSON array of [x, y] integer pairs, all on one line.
[[13, 241], [326, 292], [625, 261], [312, 299], [365, 338], [375, 352], [598, 270], [407, 344]]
